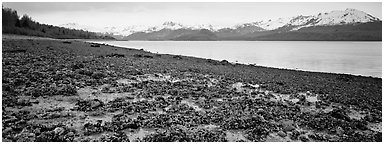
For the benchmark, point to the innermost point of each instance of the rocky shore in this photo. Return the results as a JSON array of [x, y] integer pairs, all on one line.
[[67, 90]]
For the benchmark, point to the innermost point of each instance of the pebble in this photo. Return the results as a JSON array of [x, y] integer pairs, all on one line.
[[288, 125], [339, 131], [95, 104], [31, 135], [59, 131], [7, 130], [70, 134], [282, 134], [303, 138], [260, 110], [82, 116]]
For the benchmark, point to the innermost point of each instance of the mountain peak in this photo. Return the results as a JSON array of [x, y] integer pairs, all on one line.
[[349, 16], [72, 24], [170, 23], [351, 9]]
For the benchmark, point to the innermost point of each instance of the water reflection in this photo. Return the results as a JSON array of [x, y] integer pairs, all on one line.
[[358, 58]]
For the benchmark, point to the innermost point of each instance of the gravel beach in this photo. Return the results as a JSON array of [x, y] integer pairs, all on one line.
[[74, 91]]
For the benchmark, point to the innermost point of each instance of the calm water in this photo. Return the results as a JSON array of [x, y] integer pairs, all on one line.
[[358, 58]]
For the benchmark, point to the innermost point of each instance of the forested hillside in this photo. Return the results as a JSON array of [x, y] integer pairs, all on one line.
[[25, 25]]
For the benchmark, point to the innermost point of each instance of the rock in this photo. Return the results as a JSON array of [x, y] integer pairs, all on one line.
[[7, 130], [316, 136], [115, 55], [70, 134], [303, 138], [59, 131], [31, 135], [92, 128], [295, 134], [34, 101], [25, 136], [10, 120], [95, 45], [53, 116], [378, 137], [82, 116], [177, 57], [89, 105], [340, 114], [98, 75], [302, 99], [339, 131], [224, 62], [289, 128], [148, 56], [95, 104], [24, 102], [67, 90], [77, 66], [368, 118], [282, 134], [37, 131], [288, 125], [260, 110], [115, 137]]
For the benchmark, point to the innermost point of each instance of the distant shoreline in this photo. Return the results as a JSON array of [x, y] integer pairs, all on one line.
[[251, 40], [282, 68]]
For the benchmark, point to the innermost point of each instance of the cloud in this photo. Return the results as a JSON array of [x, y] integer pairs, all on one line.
[[44, 7]]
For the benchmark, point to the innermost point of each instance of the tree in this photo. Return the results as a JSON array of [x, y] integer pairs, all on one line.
[[10, 17], [26, 21], [26, 26]]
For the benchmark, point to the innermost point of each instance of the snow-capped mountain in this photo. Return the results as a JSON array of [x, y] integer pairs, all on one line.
[[141, 28], [82, 27], [344, 17], [333, 18], [169, 25], [134, 28], [348, 16], [272, 24], [127, 30]]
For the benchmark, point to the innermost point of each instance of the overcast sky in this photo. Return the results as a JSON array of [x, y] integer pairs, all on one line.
[[221, 14]]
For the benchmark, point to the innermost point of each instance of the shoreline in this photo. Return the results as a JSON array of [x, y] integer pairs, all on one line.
[[69, 90], [281, 68]]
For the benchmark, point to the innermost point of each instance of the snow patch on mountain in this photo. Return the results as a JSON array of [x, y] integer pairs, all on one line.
[[169, 25], [272, 24], [127, 30], [206, 26], [344, 17], [301, 20]]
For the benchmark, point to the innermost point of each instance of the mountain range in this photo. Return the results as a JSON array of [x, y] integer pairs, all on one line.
[[349, 24]]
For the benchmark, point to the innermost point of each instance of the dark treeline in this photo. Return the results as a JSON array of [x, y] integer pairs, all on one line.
[[13, 24]]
